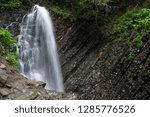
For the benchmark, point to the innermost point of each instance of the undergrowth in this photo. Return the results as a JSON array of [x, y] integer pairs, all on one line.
[[131, 28], [10, 5], [83, 10], [65, 13], [8, 47]]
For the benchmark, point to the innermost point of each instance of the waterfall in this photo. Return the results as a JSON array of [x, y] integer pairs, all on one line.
[[37, 49]]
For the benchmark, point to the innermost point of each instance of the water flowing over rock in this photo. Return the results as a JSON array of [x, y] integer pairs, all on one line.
[[38, 52]]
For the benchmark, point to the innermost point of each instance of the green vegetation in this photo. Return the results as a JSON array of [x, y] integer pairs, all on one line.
[[87, 10], [9, 5], [131, 28], [8, 47], [131, 57], [65, 13]]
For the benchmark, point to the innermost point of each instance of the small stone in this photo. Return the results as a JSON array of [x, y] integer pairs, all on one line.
[[2, 66]]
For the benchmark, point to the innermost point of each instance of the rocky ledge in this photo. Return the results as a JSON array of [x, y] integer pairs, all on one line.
[[14, 86]]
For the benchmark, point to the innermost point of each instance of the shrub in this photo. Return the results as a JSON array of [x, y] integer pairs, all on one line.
[[132, 27], [87, 10], [65, 13], [9, 5], [8, 47]]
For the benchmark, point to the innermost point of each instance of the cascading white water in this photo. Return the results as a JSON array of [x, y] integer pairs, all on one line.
[[37, 49]]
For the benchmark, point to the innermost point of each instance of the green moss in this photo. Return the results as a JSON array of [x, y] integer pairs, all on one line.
[[131, 57], [8, 47], [137, 42], [132, 27]]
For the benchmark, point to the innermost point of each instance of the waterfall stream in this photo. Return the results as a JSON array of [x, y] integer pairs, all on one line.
[[37, 49]]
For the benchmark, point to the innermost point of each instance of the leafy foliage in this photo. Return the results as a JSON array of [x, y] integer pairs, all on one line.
[[8, 47], [9, 5], [65, 13], [91, 10], [131, 28]]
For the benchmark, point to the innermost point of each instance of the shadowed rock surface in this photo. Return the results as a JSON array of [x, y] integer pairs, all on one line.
[[96, 68]]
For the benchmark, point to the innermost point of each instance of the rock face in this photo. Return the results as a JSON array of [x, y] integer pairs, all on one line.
[[15, 86], [94, 67], [3, 77], [11, 19]]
